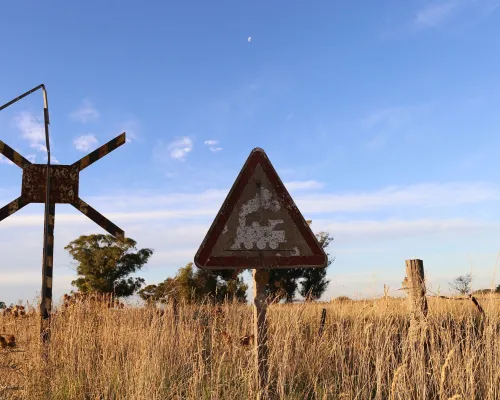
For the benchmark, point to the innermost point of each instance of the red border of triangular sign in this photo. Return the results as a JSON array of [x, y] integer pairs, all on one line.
[[203, 258]]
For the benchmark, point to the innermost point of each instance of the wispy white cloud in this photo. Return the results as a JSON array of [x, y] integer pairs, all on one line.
[[383, 123], [132, 127], [85, 113], [31, 130], [303, 185], [421, 195], [85, 142], [377, 142], [53, 160], [31, 277], [406, 228], [175, 225], [212, 145], [439, 12], [39, 147], [179, 149], [394, 117], [204, 205], [436, 13], [6, 161]]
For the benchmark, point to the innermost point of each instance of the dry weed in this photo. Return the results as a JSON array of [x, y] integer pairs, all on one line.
[[97, 352]]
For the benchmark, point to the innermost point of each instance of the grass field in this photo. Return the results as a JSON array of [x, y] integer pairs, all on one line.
[[100, 353]]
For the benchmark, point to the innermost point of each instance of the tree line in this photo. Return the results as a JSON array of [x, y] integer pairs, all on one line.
[[106, 265]]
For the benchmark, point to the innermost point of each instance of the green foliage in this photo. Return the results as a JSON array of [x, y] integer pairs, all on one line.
[[310, 282], [106, 263], [497, 290], [193, 285], [2, 305], [283, 284], [314, 282]]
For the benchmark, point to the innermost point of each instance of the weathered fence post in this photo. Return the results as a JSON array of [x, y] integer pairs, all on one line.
[[416, 290], [175, 312], [260, 280], [418, 336], [322, 323]]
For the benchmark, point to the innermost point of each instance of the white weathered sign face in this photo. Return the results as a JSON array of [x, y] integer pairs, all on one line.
[[259, 225]]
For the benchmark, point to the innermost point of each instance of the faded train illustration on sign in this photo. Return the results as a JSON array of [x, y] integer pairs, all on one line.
[[259, 226], [256, 234]]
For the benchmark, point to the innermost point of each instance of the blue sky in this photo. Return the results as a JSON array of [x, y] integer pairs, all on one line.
[[381, 117]]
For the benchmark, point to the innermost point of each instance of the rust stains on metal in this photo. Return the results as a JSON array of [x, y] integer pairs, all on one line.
[[12, 207], [9, 153], [100, 152], [99, 219], [64, 183]]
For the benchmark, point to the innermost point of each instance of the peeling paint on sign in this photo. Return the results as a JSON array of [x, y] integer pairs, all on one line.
[[259, 226], [257, 234]]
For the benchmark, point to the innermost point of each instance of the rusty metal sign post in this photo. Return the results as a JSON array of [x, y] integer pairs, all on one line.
[[259, 227], [52, 184]]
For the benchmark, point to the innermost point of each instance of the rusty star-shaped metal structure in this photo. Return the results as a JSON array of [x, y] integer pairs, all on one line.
[[65, 183]]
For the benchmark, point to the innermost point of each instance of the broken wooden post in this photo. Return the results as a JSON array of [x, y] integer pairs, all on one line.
[[476, 303], [416, 290], [322, 323], [175, 312], [418, 343]]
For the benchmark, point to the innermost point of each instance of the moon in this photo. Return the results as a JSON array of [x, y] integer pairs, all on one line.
[[249, 39]]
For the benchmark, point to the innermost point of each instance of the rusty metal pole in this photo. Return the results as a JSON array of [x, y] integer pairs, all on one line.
[[260, 280], [48, 242], [47, 272], [21, 97], [48, 238], [66, 182]]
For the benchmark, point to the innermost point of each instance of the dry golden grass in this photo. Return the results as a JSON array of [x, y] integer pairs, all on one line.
[[105, 353]]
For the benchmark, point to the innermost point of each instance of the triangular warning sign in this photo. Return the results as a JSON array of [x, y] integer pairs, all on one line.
[[259, 226]]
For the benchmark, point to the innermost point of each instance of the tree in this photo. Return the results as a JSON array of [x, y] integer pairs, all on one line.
[[283, 283], [154, 293], [497, 290], [106, 263], [314, 282], [2, 305], [462, 284], [197, 285]]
